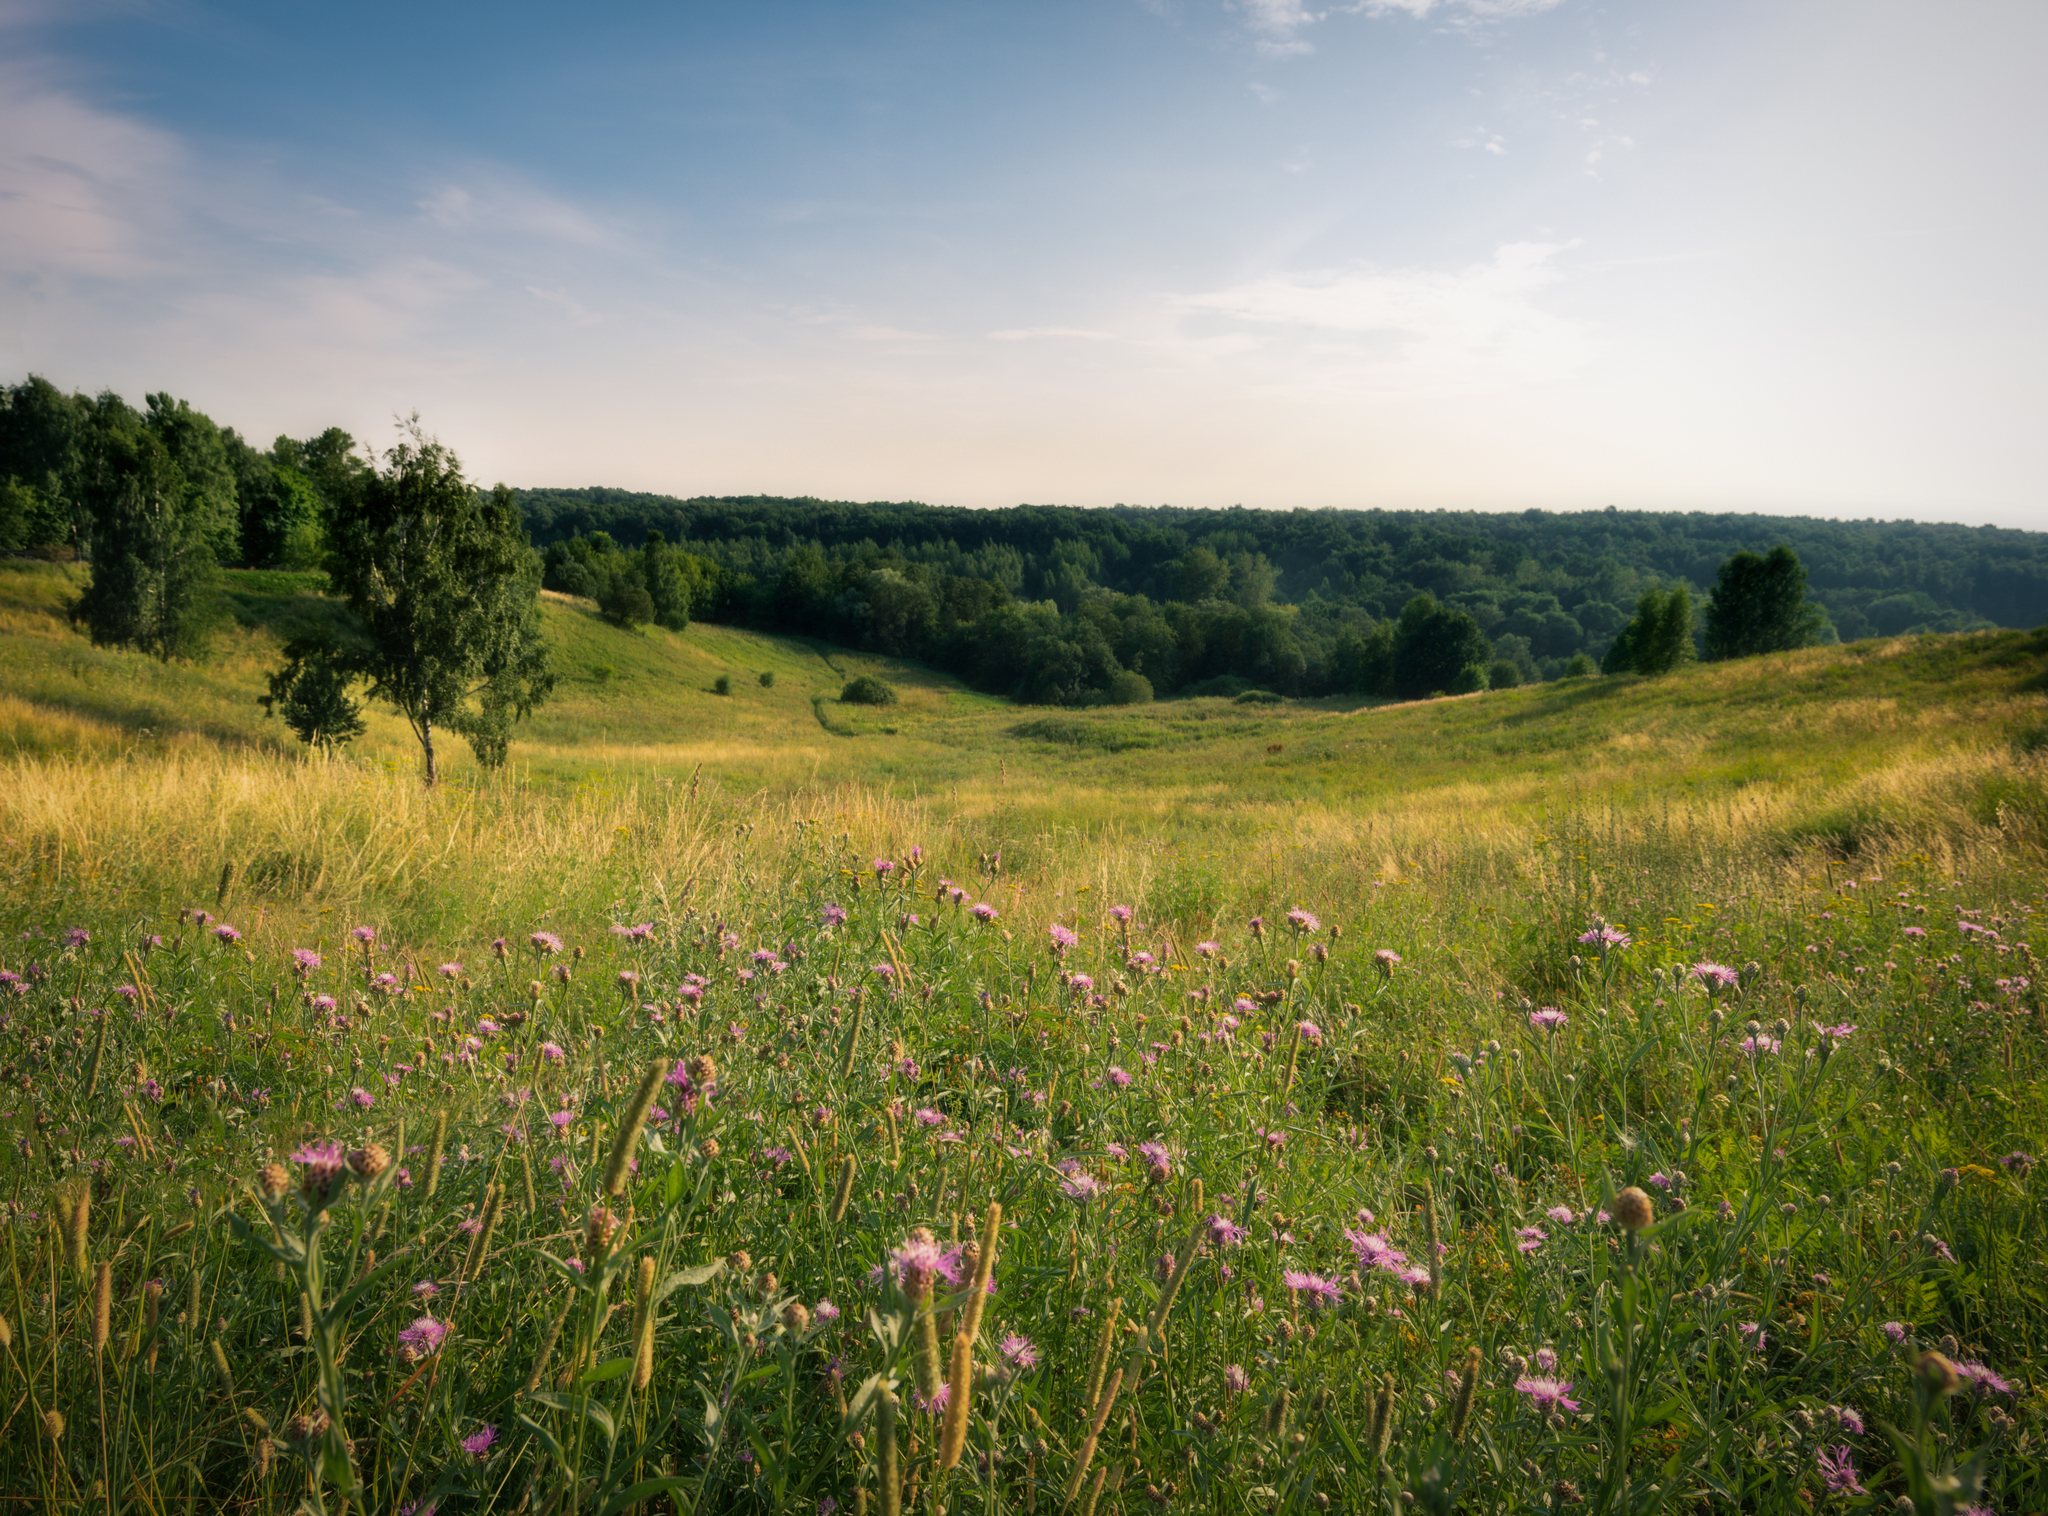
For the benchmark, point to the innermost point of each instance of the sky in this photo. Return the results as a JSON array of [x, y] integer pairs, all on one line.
[[1491, 254]]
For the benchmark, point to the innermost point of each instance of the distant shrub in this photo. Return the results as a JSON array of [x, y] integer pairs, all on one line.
[[602, 672], [867, 690], [767, 679], [1129, 688], [1503, 675], [1581, 667], [722, 685], [1224, 685], [1468, 679], [1259, 697]]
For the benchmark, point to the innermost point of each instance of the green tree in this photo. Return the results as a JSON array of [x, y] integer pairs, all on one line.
[[311, 693], [1760, 606], [152, 533], [447, 591], [1438, 649], [41, 433], [1659, 637]]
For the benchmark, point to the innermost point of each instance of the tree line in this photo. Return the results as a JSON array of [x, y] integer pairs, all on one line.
[[1046, 605], [439, 583], [1055, 606]]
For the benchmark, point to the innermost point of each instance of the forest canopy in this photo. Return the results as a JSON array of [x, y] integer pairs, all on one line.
[[1049, 604], [1044, 604]]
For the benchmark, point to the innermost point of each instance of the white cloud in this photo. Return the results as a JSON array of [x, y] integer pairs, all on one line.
[[1485, 10], [1410, 329]]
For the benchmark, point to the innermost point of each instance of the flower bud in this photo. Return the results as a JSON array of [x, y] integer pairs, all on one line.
[[1632, 1209]]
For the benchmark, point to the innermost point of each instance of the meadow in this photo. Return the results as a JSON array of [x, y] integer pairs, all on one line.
[[1614, 1095]]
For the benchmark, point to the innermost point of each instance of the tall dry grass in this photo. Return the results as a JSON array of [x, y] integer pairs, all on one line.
[[141, 832]]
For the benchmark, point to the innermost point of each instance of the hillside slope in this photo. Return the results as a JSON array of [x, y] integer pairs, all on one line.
[[1826, 743]]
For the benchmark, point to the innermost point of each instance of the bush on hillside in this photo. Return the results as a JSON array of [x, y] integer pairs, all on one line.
[[1128, 688], [867, 690], [1258, 697]]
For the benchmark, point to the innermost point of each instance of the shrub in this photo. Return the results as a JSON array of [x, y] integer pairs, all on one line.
[[1225, 685], [1581, 667], [867, 690], [1129, 688], [722, 685], [1258, 697], [767, 679], [1503, 675]]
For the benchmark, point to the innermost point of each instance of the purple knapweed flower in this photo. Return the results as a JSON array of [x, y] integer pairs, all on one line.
[[1716, 976], [478, 1444], [545, 943], [1019, 1352], [1318, 1290], [1548, 1019], [1303, 921], [425, 1336], [1548, 1395], [1838, 1470], [1530, 1238]]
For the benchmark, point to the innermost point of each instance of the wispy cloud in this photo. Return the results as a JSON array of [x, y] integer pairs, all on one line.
[[1277, 26], [1485, 10], [1411, 329]]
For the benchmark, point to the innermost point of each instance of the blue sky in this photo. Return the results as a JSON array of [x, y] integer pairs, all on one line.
[[1472, 253]]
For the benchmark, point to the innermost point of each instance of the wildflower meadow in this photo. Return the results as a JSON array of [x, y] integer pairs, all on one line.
[[876, 1173]]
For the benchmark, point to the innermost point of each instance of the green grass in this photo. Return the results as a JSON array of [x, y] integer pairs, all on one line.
[[1845, 828]]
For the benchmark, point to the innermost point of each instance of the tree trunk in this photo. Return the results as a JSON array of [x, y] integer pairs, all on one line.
[[427, 746]]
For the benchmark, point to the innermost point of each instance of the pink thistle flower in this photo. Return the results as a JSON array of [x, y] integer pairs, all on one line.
[[1321, 1292], [478, 1444], [1548, 1395], [1235, 1380], [545, 943], [1387, 959], [983, 912], [1838, 1470], [425, 1336], [1303, 921], [1531, 1238], [1019, 1352], [1548, 1019], [304, 961], [552, 1052]]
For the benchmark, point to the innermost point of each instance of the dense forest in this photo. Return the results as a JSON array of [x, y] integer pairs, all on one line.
[[1048, 604]]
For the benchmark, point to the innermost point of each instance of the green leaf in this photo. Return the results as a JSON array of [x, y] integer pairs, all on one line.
[[684, 1279], [547, 1439], [361, 1287], [580, 1405], [610, 1369]]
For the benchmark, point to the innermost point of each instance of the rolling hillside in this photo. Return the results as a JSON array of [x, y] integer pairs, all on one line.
[[1825, 743]]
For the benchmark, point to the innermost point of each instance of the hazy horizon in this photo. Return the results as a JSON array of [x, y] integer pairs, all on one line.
[[1403, 254]]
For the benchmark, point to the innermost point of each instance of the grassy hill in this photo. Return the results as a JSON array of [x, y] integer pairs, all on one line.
[[1828, 742]]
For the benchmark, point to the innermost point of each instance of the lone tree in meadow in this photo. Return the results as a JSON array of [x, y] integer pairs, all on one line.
[[447, 592], [1760, 606], [1658, 639]]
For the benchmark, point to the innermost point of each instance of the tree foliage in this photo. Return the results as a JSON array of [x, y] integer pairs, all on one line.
[[158, 505], [1760, 606], [1659, 636], [311, 694], [446, 589]]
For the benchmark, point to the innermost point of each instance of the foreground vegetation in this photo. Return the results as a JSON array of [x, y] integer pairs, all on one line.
[[1599, 1096]]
